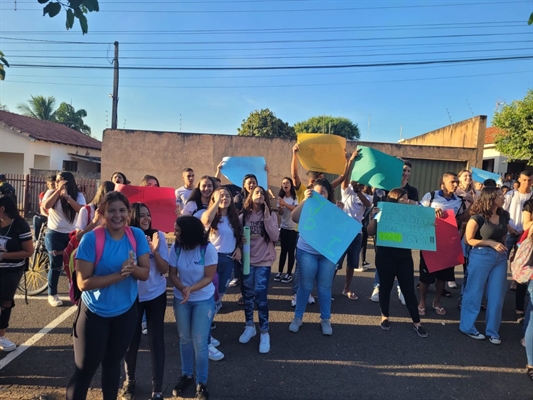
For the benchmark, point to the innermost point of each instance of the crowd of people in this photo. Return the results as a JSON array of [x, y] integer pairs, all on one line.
[[122, 264]]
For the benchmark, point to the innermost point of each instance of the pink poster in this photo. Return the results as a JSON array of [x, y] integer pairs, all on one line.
[[161, 201], [449, 251]]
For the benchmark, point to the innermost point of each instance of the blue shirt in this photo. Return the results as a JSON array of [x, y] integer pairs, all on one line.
[[115, 299]]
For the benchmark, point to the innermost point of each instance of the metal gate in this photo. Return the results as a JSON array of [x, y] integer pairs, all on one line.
[[426, 174]]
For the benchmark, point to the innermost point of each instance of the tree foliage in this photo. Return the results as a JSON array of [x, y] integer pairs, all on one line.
[[39, 107], [74, 9], [327, 124], [43, 108], [264, 123], [67, 115], [3, 64], [516, 122]]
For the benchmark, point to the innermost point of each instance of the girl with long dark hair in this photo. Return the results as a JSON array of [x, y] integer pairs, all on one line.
[[88, 217], [193, 263], [63, 204], [487, 264], [119, 178], [152, 302], [15, 247], [288, 235], [264, 231], [200, 197], [392, 263]]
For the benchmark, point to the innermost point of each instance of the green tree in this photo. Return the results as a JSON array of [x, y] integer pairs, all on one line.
[[264, 123], [3, 64], [67, 115], [516, 122], [39, 107], [326, 124], [73, 9]]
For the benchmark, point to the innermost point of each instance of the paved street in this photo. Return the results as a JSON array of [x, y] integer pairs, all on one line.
[[360, 361]]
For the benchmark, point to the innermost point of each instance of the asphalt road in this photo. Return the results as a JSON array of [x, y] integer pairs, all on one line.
[[359, 361]]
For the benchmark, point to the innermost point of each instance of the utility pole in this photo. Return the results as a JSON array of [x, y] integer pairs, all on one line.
[[115, 90]]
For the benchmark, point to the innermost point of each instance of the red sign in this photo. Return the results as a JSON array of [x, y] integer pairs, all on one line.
[[161, 201], [449, 251]]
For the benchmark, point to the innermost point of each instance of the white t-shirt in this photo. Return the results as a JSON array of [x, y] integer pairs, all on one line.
[[182, 195], [286, 219], [156, 283], [353, 206], [223, 239], [192, 209], [439, 201], [514, 204], [84, 219], [191, 269], [57, 220]]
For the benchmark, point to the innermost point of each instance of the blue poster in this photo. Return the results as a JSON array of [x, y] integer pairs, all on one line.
[[327, 228], [406, 227], [234, 168], [480, 176], [377, 169]]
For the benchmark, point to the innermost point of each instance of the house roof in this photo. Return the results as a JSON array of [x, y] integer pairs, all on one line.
[[47, 131], [491, 133]]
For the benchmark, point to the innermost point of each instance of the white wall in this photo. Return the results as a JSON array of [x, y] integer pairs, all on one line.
[[500, 161], [32, 150], [11, 163]]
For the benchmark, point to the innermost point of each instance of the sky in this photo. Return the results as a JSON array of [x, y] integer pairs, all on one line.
[[392, 67]]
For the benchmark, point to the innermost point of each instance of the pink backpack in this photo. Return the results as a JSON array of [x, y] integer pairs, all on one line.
[[74, 290], [522, 265]]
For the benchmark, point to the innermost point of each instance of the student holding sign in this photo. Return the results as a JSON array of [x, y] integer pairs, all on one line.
[[264, 231], [487, 264], [392, 263], [441, 200], [354, 204], [313, 266]]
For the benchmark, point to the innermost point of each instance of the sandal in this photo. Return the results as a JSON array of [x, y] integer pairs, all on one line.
[[240, 301], [439, 310], [350, 295], [529, 372], [446, 293], [421, 311]]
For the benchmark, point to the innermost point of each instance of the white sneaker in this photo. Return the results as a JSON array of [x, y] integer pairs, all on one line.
[[375, 295], [6, 344], [144, 328], [54, 301], [214, 353], [249, 332], [452, 285], [311, 300], [234, 282], [295, 324], [293, 301], [214, 342], [400, 297], [326, 327], [264, 343]]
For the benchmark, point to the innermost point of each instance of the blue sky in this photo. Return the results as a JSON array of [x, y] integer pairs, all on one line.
[[274, 33]]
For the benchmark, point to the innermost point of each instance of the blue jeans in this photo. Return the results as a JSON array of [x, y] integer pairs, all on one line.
[[295, 278], [225, 267], [55, 241], [529, 329], [255, 291], [314, 267], [194, 328], [486, 268]]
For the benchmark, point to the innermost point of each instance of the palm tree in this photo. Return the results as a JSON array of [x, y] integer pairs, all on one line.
[[39, 107]]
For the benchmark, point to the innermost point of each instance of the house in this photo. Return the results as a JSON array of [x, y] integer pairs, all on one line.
[[495, 161], [29, 143]]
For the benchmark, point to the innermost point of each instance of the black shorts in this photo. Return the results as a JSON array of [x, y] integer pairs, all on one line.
[[429, 277]]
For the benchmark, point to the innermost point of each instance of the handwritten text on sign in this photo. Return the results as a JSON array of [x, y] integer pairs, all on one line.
[[406, 226], [326, 228]]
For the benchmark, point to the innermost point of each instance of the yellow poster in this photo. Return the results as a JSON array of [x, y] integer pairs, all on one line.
[[322, 153]]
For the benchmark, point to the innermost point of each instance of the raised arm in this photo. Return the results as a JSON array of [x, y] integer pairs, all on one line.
[[348, 170], [209, 214], [294, 166]]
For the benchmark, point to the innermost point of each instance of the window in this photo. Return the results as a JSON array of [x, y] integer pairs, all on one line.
[[71, 166], [488, 165]]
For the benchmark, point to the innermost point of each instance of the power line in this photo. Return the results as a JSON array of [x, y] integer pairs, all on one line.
[[277, 41], [316, 55], [255, 11], [278, 86], [278, 67]]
